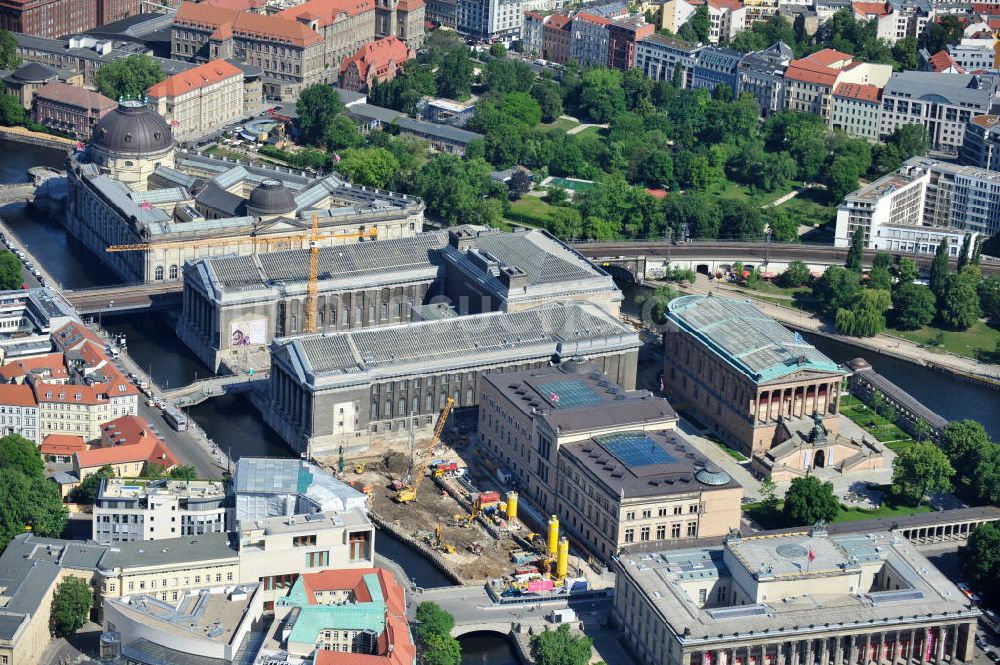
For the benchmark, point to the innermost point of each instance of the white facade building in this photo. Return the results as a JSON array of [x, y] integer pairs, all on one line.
[[973, 54], [126, 510]]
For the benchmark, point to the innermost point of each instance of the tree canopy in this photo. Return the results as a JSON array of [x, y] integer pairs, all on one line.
[[318, 108], [560, 647], [8, 51], [128, 78], [809, 500], [434, 633], [71, 605], [19, 453], [86, 491], [10, 271], [980, 562], [919, 469]]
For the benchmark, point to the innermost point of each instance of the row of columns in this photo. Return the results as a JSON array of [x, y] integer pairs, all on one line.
[[198, 313], [917, 645], [941, 532], [795, 401], [288, 399]]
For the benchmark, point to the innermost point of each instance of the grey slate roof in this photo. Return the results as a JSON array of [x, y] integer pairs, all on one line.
[[139, 554], [970, 90], [774, 58]]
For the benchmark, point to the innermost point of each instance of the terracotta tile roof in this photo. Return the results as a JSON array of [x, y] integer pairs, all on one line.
[[989, 9], [192, 79], [73, 95], [53, 362], [872, 8], [327, 11], [828, 57], [593, 18], [942, 61], [222, 20], [731, 5], [127, 439], [395, 646], [17, 395], [859, 91], [73, 335], [379, 54], [70, 393], [558, 21], [810, 72], [62, 444], [534, 15], [409, 5], [239, 5], [986, 121]]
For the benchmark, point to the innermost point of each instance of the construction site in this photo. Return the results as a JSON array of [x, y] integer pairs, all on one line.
[[445, 498]]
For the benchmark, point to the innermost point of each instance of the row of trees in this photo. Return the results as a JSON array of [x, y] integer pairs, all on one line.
[[433, 632], [28, 500]]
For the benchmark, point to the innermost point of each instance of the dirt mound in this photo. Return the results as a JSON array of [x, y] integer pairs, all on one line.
[[397, 463]]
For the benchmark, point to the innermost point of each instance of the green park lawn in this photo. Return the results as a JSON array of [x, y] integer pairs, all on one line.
[[590, 131], [775, 519], [866, 418], [810, 208], [530, 210], [732, 452], [562, 124], [727, 189], [980, 337]]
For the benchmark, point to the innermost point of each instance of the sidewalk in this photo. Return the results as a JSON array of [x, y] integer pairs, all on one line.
[[881, 343]]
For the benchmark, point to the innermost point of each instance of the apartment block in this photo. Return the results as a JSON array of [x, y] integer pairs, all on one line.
[[715, 66], [759, 11], [975, 54], [556, 36], [810, 81], [658, 57], [673, 14], [727, 18], [894, 200], [127, 510], [19, 412], [605, 460], [896, 19], [762, 74], [942, 103], [128, 444], [531, 42], [589, 42], [623, 36]]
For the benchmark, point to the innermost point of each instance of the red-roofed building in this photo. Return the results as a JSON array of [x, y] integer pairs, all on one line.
[[201, 99], [363, 600], [255, 6], [894, 21], [942, 63], [50, 368], [727, 18], [295, 52], [379, 60], [61, 447], [69, 108], [856, 110], [810, 81], [127, 445], [18, 411], [556, 37]]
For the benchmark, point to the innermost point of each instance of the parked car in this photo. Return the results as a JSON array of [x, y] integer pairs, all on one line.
[[964, 588], [992, 655]]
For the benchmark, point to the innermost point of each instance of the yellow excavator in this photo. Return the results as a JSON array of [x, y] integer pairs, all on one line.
[[408, 492], [440, 543]]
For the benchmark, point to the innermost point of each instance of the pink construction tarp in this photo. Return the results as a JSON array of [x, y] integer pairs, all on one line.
[[535, 586]]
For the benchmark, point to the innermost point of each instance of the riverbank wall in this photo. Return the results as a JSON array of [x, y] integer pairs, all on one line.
[[23, 135], [433, 556]]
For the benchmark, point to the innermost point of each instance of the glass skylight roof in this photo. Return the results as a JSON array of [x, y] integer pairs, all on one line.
[[634, 449], [571, 394]]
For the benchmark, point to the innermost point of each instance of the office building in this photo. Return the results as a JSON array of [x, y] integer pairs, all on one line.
[[785, 597], [140, 509], [741, 373], [222, 625], [442, 12], [241, 303], [856, 109], [201, 100], [491, 20], [54, 18], [941, 103], [975, 54], [351, 389], [131, 186], [981, 143], [360, 611], [380, 60], [762, 74], [658, 57], [69, 109], [623, 36], [606, 461]]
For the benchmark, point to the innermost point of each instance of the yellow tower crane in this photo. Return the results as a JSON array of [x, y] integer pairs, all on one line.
[[408, 492]]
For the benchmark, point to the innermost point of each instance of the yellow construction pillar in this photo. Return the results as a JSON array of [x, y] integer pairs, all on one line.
[[553, 535], [562, 562], [511, 506]]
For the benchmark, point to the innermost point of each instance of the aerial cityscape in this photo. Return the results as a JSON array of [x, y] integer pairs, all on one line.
[[499, 332]]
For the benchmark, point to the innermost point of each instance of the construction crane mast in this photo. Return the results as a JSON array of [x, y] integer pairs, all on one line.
[[408, 492], [312, 290]]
